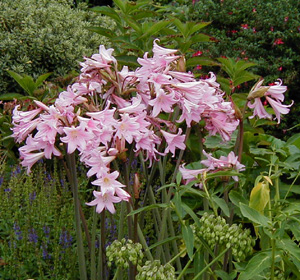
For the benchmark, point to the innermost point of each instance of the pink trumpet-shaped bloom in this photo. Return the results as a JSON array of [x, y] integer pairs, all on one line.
[[259, 109], [29, 159], [278, 108], [162, 102], [76, 137], [174, 141], [229, 162], [104, 200], [107, 181], [190, 175], [274, 96], [127, 128]]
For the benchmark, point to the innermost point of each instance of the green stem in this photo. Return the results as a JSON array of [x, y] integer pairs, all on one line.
[[178, 255], [238, 149], [144, 244], [117, 273], [102, 246], [291, 185], [277, 193], [273, 259], [74, 183], [210, 264], [121, 220], [209, 198], [185, 268], [174, 243], [168, 198], [93, 249]]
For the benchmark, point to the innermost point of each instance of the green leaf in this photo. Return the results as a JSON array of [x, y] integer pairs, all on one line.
[[227, 64], [243, 65], [243, 77], [178, 178], [110, 12], [201, 60], [223, 173], [133, 24], [188, 210], [187, 189], [181, 26], [149, 207], [121, 4], [178, 205], [236, 198], [292, 266], [294, 140], [10, 96], [256, 265], [102, 31], [294, 227], [225, 84], [200, 38], [129, 60], [225, 276], [196, 27], [253, 215], [166, 186], [26, 82], [155, 28], [135, 6], [260, 196], [188, 237], [167, 240], [41, 78], [289, 246], [222, 204]]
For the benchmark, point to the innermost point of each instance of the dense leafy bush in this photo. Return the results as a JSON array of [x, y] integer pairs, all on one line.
[[44, 36]]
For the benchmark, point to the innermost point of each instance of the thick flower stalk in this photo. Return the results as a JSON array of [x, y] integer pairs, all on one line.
[[107, 110]]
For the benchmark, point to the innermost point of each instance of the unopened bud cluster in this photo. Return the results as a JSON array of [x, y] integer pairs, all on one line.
[[122, 252], [153, 270], [215, 231]]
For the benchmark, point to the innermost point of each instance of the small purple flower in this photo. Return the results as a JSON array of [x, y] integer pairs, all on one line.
[[46, 255], [16, 171], [18, 231], [7, 190], [32, 236], [32, 196], [65, 239], [97, 243], [46, 230]]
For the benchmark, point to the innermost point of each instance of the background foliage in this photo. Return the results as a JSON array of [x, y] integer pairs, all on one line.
[[264, 32], [37, 37]]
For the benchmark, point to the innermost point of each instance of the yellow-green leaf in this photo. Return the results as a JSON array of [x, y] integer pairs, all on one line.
[[260, 196]]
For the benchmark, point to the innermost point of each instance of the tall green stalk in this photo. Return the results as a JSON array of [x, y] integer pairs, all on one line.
[[93, 249], [74, 184]]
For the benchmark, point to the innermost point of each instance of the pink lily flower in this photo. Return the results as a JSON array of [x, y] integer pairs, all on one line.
[[274, 96], [104, 200], [76, 137], [174, 141]]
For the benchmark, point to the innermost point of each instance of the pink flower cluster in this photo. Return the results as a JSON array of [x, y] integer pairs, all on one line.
[[213, 165], [107, 109], [274, 95]]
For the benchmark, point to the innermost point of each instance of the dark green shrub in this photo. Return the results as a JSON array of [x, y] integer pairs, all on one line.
[[42, 36], [264, 32]]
